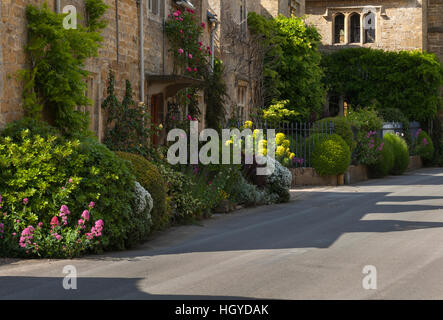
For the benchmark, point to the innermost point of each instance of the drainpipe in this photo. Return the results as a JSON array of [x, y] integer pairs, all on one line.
[[57, 6], [214, 29], [142, 58]]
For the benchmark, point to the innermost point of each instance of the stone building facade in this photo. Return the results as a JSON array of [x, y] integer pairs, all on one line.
[[380, 24], [154, 80]]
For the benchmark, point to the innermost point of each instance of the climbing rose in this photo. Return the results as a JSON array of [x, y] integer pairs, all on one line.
[[189, 117], [190, 56], [177, 13], [181, 51], [203, 25]]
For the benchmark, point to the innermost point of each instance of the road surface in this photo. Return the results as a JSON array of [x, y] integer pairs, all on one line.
[[315, 247]]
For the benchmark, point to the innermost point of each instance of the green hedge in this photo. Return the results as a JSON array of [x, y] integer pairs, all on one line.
[[331, 156], [150, 178], [407, 80], [401, 153], [385, 162], [342, 127]]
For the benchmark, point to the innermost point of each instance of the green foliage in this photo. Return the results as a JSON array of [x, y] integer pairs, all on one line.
[[50, 172], [292, 63], [424, 146], [401, 153], [385, 161], [107, 181], [150, 178], [331, 156], [342, 127], [215, 94], [406, 80], [368, 148], [95, 9], [279, 111], [55, 80], [365, 119], [185, 207], [126, 129], [14, 129]]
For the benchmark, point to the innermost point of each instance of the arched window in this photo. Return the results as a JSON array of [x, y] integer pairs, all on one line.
[[339, 28], [355, 28], [369, 27]]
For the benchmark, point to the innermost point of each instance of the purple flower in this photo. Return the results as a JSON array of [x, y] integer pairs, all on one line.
[[64, 210], [91, 204], [25, 201]]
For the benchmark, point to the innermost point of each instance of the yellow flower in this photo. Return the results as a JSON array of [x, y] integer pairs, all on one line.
[[291, 156], [279, 138], [228, 143], [160, 126], [248, 124], [286, 143], [255, 133], [262, 147], [280, 151]]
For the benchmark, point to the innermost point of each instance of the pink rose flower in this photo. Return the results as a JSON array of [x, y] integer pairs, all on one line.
[[181, 51]]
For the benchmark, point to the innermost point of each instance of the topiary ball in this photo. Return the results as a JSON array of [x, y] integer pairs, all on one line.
[[342, 127], [331, 156], [401, 153], [150, 178], [384, 163]]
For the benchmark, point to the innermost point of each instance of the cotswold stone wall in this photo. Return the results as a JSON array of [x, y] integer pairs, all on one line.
[[399, 23], [120, 55]]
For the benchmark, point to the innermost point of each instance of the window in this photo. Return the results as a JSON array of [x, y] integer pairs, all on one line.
[[156, 7], [355, 28], [369, 27], [339, 28]]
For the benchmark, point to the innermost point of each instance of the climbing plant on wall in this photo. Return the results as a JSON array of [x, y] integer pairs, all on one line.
[[55, 81]]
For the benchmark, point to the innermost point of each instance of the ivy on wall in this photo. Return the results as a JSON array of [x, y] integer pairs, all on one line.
[[406, 80], [291, 67], [55, 82]]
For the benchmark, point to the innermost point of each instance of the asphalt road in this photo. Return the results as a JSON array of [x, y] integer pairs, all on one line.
[[314, 247]]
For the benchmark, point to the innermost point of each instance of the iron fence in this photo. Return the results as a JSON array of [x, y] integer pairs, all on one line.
[[297, 133]]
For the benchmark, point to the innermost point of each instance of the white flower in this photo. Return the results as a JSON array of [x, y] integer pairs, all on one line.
[[143, 200]]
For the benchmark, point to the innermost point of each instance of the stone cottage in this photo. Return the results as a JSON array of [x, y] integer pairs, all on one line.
[[380, 24], [136, 48]]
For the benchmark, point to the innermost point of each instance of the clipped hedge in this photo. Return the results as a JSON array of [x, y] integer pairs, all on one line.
[[331, 156], [150, 178], [342, 127], [401, 153], [425, 147], [384, 163]]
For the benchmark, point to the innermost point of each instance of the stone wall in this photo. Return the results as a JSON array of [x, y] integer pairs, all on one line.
[[399, 23]]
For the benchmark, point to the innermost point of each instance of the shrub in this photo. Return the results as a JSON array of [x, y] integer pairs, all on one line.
[[107, 179], [331, 156], [184, 205], [368, 148], [14, 129], [150, 178], [385, 161], [248, 194], [401, 153], [365, 119], [424, 146], [141, 216], [342, 127], [279, 182], [38, 175]]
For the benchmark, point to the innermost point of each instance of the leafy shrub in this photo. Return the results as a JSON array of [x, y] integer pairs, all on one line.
[[342, 127], [424, 146], [401, 153], [184, 205], [365, 119], [14, 129], [385, 161], [368, 148], [150, 178], [331, 156], [247, 194], [278, 112], [38, 175]]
